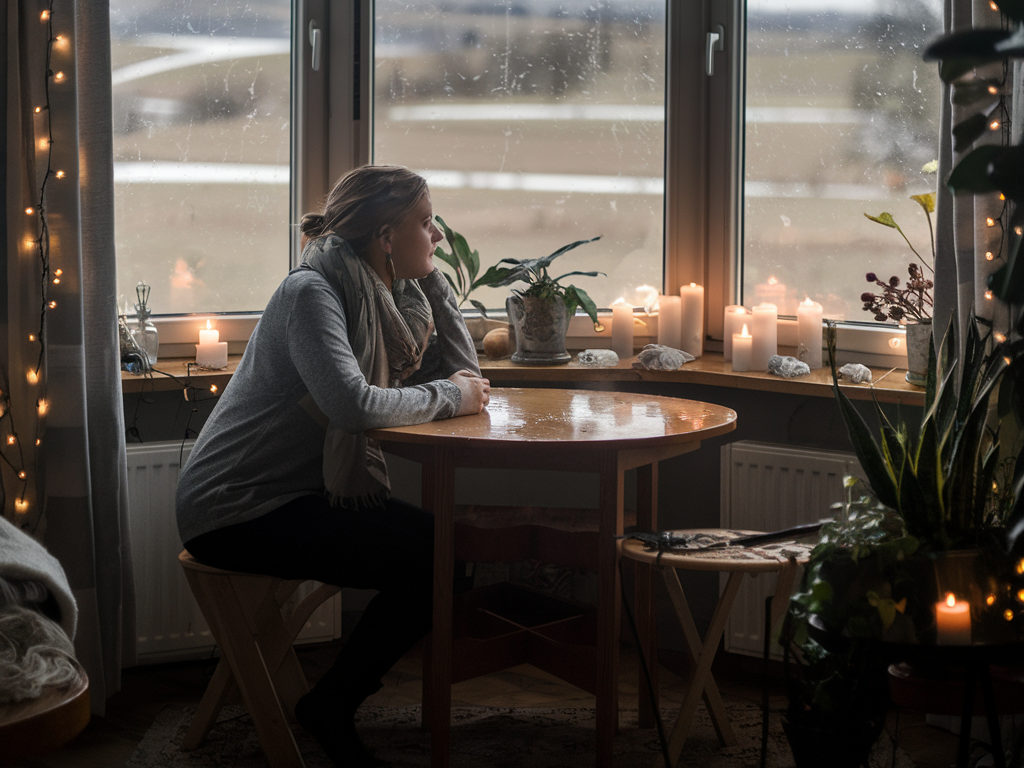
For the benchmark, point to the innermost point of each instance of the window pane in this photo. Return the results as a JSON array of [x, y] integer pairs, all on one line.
[[536, 123], [201, 150], [841, 116]]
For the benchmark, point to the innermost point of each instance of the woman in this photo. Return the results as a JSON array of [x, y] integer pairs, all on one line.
[[282, 480]]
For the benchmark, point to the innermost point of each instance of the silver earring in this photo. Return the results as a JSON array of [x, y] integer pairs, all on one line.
[[389, 265]]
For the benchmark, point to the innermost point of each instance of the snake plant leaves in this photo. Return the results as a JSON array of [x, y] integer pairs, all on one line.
[[971, 173], [966, 132], [976, 44]]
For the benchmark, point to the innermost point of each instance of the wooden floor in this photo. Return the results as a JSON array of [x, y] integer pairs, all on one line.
[[109, 742]]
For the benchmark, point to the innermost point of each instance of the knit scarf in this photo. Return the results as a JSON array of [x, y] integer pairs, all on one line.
[[388, 332]]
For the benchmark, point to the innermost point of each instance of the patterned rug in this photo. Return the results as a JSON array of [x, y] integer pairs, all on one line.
[[490, 737]]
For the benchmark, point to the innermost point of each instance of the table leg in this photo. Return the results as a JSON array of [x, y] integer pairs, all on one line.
[[703, 684], [646, 520], [964, 747], [985, 679], [608, 604], [439, 498]]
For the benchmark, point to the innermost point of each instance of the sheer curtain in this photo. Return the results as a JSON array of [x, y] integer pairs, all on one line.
[[59, 346], [963, 233]]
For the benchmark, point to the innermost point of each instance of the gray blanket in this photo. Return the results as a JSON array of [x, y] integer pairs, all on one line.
[[25, 564]]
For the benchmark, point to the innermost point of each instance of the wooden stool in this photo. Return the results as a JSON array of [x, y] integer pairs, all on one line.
[[782, 558], [255, 636]]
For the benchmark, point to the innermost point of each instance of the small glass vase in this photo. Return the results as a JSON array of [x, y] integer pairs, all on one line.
[[147, 336]]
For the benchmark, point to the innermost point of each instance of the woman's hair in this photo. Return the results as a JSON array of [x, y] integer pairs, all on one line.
[[364, 201]]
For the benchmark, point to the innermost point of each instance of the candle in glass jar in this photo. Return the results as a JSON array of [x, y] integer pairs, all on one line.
[[766, 336], [692, 328], [735, 316], [809, 332], [211, 352], [741, 346], [622, 329], [953, 621], [670, 321]]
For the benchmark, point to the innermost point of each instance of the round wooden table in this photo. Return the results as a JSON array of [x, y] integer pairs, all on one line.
[[607, 433], [31, 728]]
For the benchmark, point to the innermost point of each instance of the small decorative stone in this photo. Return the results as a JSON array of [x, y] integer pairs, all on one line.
[[855, 372], [658, 357], [497, 344], [787, 367], [597, 358]]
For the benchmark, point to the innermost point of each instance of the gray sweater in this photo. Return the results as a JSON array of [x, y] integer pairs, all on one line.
[[260, 449]]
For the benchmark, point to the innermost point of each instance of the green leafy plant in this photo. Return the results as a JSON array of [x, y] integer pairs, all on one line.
[[466, 265], [939, 478]]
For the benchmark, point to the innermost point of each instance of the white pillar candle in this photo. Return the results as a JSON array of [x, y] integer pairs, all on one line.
[[809, 332], [622, 329], [692, 340], [952, 621], [771, 292], [766, 336], [211, 352], [670, 310], [741, 347], [735, 316]]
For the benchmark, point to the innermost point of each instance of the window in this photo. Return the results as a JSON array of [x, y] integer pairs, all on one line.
[[201, 100]]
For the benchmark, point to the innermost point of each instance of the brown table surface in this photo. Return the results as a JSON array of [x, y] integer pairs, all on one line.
[[606, 433]]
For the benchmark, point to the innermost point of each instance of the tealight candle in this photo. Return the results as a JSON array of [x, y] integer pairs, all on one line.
[[809, 332], [692, 321], [622, 329], [766, 336], [735, 316], [670, 310], [211, 352], [741, 347], [952, 621]]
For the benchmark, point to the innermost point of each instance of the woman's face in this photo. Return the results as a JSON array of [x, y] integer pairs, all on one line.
[[413, 241]]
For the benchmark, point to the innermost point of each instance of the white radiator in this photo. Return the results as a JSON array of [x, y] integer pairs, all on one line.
[[170, 625], [767, 487]]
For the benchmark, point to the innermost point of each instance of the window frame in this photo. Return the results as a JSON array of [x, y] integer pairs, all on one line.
[[332, 129]]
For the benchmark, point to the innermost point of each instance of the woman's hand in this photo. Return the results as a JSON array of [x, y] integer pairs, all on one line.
[[476, 391]]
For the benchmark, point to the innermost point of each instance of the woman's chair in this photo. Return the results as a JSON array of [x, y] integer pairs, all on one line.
[[249, 619]]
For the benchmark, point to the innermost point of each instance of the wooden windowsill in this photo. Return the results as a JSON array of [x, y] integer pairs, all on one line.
[[888, 386]]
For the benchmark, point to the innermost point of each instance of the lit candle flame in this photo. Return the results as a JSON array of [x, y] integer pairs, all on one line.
[[210, 327], [772, 281], [950, 600], [745, 333]]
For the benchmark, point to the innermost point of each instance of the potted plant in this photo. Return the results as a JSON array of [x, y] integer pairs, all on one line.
[[540, 314], [909, 303]]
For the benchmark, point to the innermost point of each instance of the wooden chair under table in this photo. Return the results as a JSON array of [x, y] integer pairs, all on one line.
[[248, 616]]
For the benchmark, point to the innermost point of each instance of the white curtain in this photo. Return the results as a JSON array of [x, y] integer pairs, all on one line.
[[74, 495], [968, 227]]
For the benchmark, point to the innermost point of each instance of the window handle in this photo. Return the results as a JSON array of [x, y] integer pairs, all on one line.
[[715, 42], [316, 43]]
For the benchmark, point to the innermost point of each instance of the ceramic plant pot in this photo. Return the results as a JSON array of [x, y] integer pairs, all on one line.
[[919, 339], [539, 326]]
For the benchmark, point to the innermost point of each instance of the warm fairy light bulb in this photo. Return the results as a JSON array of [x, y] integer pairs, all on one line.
[[61, 175], [988, 295], [22, 475], [994, 125], [1020, 595], [213, 388], [990, 600], [993, 90], [989, 255], [42, 406], [1007, 359], [31, 337], [60, 41], [52, 305], [38, 110], [1018, 231], [44, 16], [1008, 614], [44, 144], [992, 5], [56, 281], [58, 272], [11, 439], [30, 243], [895, 342], [1002, 196], [21, 504], [38, 441], [1000, 337], [59, 77], [30, 211], [990, 222], [1020, 567], [32, 376]]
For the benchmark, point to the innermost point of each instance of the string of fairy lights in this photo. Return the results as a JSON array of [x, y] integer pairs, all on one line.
[[12, 450]]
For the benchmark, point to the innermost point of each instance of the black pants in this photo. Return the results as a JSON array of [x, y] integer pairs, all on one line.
[[389, 549]]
